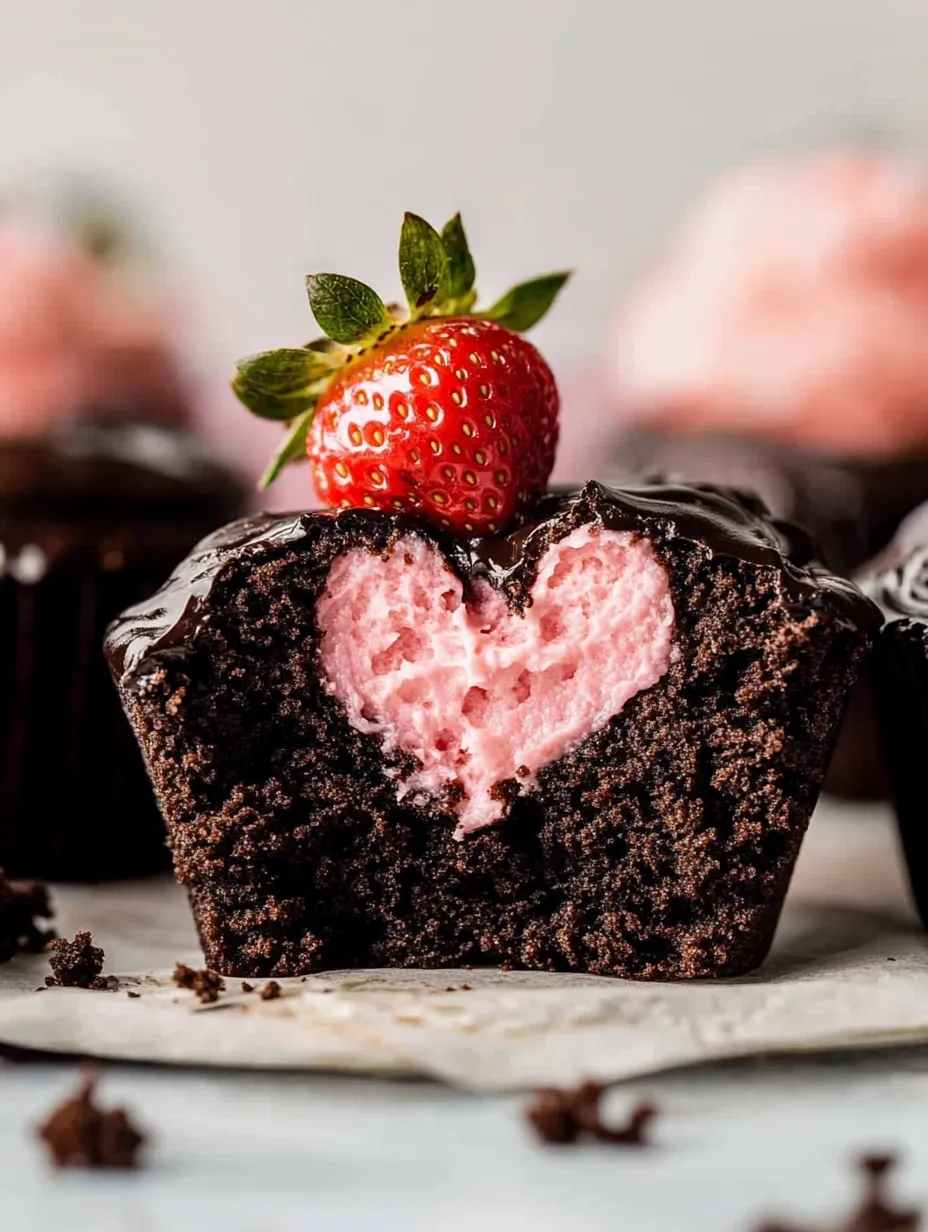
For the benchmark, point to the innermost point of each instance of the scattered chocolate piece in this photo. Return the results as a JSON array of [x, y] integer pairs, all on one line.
[[569, 1116], [21, 905], [875, 1212], [206, 984], [76, 964], [270, 991], [133, 994], [246, 987], [78, 1134]]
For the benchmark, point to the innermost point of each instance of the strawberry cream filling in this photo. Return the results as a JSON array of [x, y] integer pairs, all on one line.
[[477, 693]]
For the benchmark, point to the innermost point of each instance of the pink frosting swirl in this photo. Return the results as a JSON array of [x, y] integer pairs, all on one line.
[[73, 341], [792, 305]]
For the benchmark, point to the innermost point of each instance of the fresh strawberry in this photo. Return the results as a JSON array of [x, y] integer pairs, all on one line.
[[456, 418], [445, 411]]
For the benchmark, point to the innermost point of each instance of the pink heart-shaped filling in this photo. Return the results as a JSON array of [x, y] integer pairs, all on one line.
[[476, 692]]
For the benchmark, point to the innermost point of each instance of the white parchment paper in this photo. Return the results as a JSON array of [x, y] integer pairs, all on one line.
[[849, 969]]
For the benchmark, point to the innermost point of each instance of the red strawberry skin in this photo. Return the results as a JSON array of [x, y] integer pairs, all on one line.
[[452, 418]]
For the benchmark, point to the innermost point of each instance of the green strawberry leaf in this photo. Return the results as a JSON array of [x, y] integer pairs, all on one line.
[[273, 406], [525, 305], [461, 272], [292, 449], [281, 384], [284, 371], [423, 264], [347, 310]]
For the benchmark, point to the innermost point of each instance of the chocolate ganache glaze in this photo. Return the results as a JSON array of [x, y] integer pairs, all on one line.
[[897, 579], [850, 506], [723, 521]]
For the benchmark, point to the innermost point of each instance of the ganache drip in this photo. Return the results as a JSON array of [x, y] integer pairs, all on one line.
[[722, 521]]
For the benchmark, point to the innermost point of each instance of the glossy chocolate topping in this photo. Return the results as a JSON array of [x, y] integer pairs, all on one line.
[[851, 506], [722, 521], [123, 469], [897, 579]]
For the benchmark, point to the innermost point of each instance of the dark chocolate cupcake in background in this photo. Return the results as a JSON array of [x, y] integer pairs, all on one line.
[[455, 718], [898, 581], [102, 490]]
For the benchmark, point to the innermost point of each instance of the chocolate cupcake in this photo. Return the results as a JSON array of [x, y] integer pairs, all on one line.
[[622, 791], [456, 719], [898, 581], [102, 490]]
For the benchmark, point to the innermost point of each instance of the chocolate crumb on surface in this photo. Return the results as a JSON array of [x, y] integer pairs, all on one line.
[[562, 1117], [77, 964], [875, 1213], [22, 904], [205, 983], [133, 994], [79, 1134], [270, 991], [246, 987]]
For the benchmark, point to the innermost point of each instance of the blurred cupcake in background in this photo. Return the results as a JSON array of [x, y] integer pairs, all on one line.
[[103, 488], [780, 344]]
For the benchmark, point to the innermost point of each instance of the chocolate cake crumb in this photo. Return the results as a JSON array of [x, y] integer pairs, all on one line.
[[77, 964], [78, 1134], [270, 991], [876, 1213], [21, 905], [133, 994], [569, 1116], [246, 987], [205, 983]]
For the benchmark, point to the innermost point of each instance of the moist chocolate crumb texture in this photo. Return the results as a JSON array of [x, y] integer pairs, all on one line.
[[77, 964], [897, 580], [851, 507], [93, 516], [454, 719], [657, 845]]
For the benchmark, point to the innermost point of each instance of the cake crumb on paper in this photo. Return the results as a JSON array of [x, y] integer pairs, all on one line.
[[77, 964], [205, 983]]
